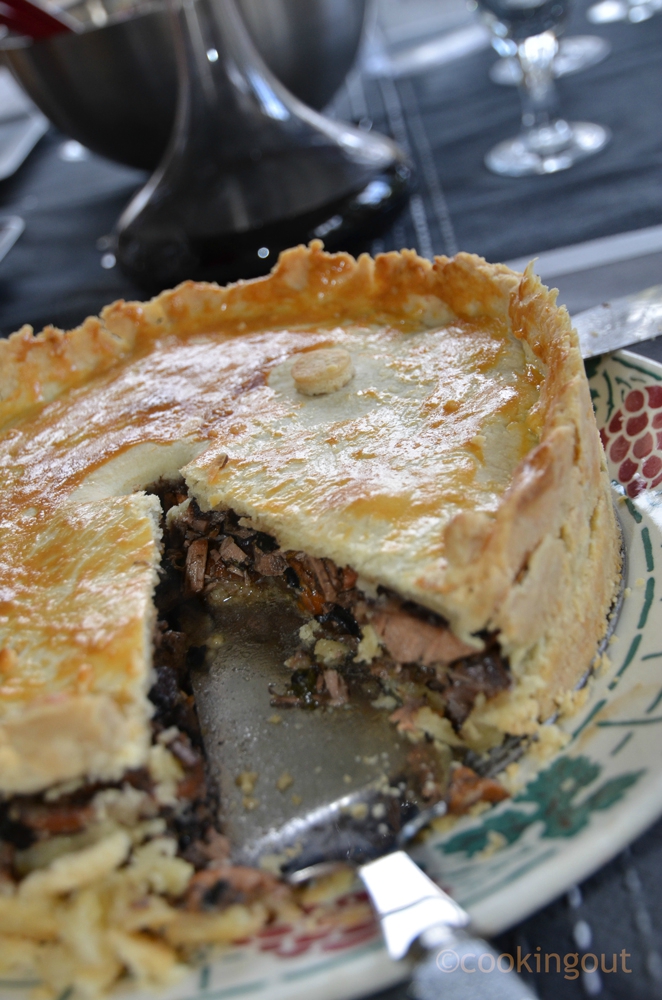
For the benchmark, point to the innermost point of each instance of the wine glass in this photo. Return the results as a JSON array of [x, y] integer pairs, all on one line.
[[576, 53], [635, 11], [547, 143]]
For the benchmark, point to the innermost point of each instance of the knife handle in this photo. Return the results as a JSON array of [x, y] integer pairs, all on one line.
[[456, 965]]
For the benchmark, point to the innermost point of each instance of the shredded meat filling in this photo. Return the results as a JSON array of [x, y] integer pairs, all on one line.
[[415, 642], [408, 639], [202, 552], [468, 788]]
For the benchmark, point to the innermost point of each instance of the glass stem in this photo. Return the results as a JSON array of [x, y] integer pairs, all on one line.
[[544, 130]]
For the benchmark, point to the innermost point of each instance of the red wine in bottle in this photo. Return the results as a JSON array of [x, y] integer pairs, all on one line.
[[250, 170]]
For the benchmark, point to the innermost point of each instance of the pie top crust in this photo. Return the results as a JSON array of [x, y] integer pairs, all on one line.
[[459, 466]]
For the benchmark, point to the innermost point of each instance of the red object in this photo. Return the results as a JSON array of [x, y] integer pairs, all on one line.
[[28, 18], [634, 401], [619, 449], [652, 466], [636, 424], [643, 446], [654, 396], [627, 470]]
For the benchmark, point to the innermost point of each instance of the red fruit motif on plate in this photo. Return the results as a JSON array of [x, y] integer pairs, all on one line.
[[333, 927], [633, 440]]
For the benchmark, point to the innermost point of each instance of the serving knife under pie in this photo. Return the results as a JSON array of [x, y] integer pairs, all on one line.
[[303, 789], [621, 323]]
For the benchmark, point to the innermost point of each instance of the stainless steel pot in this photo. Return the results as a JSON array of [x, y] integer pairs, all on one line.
[[114, 88]]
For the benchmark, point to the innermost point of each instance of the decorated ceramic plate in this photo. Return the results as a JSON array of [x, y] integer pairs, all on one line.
[[567, 817]]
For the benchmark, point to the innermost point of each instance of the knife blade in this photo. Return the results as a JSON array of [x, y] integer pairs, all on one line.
[[620, 323], [316, 786]]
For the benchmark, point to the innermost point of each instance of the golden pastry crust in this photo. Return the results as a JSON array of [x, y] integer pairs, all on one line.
[[460, 466], [77, 629]]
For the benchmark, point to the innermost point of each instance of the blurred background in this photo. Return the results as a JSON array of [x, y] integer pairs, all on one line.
[[480, 105], [416, 70]]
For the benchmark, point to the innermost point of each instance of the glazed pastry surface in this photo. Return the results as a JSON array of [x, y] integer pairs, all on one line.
[[456, 462]]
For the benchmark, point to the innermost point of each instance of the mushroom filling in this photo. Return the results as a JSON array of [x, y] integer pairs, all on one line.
[[409, 651], [404, 656]]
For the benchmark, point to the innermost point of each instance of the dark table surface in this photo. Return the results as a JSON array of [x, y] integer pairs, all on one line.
[[448, 118]]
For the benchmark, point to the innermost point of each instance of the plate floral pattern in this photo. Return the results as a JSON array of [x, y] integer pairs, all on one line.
[[565, 820], [605, 786]]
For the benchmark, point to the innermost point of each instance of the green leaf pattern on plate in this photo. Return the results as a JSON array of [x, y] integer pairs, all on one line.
[[554, 793]]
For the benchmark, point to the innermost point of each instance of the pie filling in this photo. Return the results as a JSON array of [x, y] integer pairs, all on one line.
[[405, 655], [408, 649]]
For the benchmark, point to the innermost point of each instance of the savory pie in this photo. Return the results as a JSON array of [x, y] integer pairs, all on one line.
[[407, 448]]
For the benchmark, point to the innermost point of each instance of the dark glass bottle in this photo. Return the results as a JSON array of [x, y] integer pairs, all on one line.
[[250, 170], [523, 18]]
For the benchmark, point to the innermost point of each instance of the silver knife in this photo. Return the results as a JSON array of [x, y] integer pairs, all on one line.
[[359, 797], [620, 323]]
